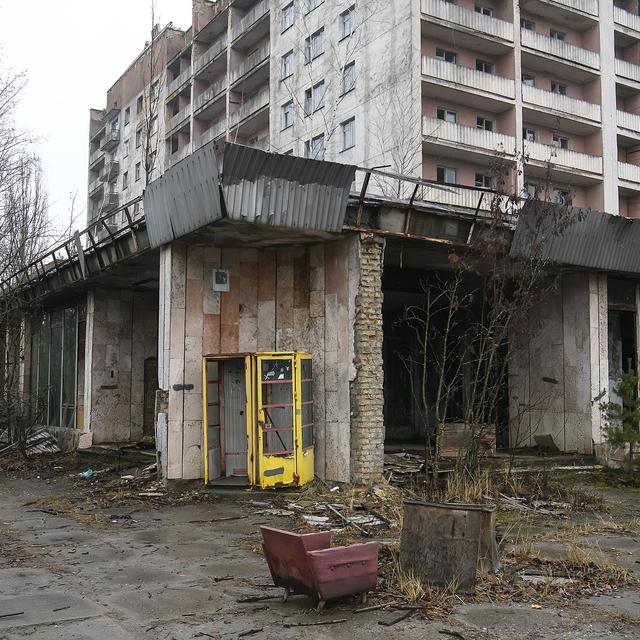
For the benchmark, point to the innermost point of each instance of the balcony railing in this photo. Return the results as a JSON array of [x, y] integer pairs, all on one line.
[[628, 70], [212, 92], [179, 118], [110, 171], [584, 6], [457, 75], [94, 186], [94, 156], [111, 201], [629, 172], [261, 9], [559, 49], [212, 52], [458, 197], [489, 141], [181, 154], [213, 132], [563, 157], [630, 121], [560, 103], [179, 81], [252, 61], [111, 138], [251, 106], [457, 15], [626, 18]]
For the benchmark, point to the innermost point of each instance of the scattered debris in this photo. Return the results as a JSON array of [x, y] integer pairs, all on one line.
[[256, 598], [453, 634], [395, 616], [11, 615], [314, 624], [250, 632], [90, 473], [38, 442]]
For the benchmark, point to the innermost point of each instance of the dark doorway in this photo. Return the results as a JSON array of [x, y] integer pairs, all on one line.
[[150, 387]]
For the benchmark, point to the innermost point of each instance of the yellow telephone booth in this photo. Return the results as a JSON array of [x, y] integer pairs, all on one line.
[[258, 426]]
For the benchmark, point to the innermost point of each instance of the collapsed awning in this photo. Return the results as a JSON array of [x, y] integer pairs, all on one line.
[[591, 239], [252, 186]]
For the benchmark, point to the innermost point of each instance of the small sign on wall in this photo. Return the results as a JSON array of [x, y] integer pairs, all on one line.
[[221, 280]]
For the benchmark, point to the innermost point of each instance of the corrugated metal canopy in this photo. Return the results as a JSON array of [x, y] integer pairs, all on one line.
[[258, 187], [592, 239]]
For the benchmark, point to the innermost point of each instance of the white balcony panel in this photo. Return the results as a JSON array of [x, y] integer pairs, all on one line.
[[252, 61], [212, 52], [212, 92], [179, 81], [261, 9], [213, 132], [629, 172], [626, 19], [488, 141], [629, 121], [584, 6], [457, 15], [559, 49], [95, 185], [181, 154], [563, 157], [628, 70], [457, 197], [251, 106], [457, 75], [179, 118], [559, 103], [95, 156]]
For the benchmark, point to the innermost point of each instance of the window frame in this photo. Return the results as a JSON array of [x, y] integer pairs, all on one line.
[[348, 13], [284, 109], [283, 61], [284, 11], [350, 122], [482, 125], [444, 169], [343, 87], [445, 113], [445, 54], [312, 52]]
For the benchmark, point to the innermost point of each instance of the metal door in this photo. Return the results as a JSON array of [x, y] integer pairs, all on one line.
[[233, 411], [276, 437], [304, 417]]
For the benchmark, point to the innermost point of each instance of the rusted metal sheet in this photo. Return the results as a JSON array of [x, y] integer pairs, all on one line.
[[305, 563], [592, 239], [185, 198]]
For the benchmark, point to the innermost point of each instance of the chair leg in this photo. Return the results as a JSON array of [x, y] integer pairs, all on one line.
[[285, 595], [363, 597], [320, 606]]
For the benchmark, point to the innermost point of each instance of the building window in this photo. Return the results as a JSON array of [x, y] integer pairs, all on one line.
[[347, 26], [314, 98], [484, 67], [154, 92], [286, 65], [314, 46], [349, 77], [525, 23], [127, 116], [560, 142], [485, 11], [484, 181], [151, 161], [136, 207], [447, 115], [446, 56], [559, 88], [287, 17], [447, 175], [530, 189], [314, 148], [529, 79], [310, 5], [138, 138], [139, 104], [529, 134], [125, 149], [348, 134], [287, 114], [562, 196], [138, 167], [125, 180], [557, 35], [153, 125], [484, 123]]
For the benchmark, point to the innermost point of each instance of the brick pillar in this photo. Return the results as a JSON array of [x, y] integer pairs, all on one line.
[[367, 396]]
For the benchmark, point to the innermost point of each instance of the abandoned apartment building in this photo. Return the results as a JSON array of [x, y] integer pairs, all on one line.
[[240, 303]]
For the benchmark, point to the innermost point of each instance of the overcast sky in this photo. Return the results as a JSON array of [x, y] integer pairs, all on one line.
[[72, 52]]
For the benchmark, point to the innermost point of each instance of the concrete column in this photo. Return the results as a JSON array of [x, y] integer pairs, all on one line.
[[367, 395]]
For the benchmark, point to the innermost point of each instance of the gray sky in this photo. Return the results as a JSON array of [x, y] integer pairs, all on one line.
[[73, 51]]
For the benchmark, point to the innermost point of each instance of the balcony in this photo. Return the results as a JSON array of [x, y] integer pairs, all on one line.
[[589, 7], [626, 19], [95, 186], [176, 83], [210, 94], [181, 154], [110, 171], [111, 139], [627, 70], [629, 173], [456, 76], [256, 103], [559, 49], [210, 54], [487, 142], [179, 119], [629, 121], [248, 65], [96, 155], [457, 197], [111, 201], [213, 132], [260, 10], [563, 158], [458, 16], [559, 104]]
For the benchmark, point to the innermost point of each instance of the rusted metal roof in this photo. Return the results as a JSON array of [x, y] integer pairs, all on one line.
[[257, 187], [592, 239]]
